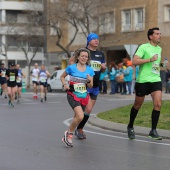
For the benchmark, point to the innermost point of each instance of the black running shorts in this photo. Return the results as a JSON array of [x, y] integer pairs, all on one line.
[[19, 84], [35, 82], [143, 89], [74, 103]]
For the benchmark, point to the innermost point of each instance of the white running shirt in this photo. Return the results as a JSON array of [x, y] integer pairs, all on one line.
[[35, 73]]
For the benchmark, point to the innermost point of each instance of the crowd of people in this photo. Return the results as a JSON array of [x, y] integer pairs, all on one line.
[[120, 77], [11, 82]]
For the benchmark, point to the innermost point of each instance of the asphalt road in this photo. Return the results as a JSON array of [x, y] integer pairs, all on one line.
[[31, 132]]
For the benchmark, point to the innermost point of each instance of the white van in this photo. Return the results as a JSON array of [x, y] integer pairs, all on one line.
[[54, 82]]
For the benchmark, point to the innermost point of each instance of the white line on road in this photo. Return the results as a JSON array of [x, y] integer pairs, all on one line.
[[66, 122]]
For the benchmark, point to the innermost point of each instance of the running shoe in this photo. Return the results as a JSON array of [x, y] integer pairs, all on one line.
[[131, 133], [12, 104], [154, 135], [36, 97], [80, 134], [5, 97], [9, 102], [67, 139], [41, 100], [45, 98]]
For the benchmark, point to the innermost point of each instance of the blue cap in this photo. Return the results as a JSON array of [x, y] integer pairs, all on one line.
[[90, 37]]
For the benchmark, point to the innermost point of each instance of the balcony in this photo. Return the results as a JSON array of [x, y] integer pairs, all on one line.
[[27, 5]]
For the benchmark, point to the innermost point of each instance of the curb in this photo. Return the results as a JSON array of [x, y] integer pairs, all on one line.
[[118, 127]]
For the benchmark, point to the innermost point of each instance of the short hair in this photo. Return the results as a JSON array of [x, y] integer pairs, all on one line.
[[77, 54], [151, 31]]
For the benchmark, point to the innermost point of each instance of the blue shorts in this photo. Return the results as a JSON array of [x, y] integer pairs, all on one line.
[[93, 92]]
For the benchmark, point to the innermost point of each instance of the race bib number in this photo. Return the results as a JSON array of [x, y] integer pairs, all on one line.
[[35, 78], [155, 68], [80, 87], [3, 74], [19, 80], [43, 80], [12, 78], [95, 65]]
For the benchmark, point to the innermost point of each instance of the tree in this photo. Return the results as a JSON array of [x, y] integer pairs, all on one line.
[[74, 16], [29, 38]]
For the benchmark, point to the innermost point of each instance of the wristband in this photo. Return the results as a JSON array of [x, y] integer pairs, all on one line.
[[64, 85]]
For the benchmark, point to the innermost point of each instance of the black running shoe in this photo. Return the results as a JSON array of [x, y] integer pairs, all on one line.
[[9, 102], [154, 135], [5, 97], [45, 98], [131, 133], [41, 100]]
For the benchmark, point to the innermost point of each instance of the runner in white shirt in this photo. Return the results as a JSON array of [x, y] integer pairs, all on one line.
[[35, 73]]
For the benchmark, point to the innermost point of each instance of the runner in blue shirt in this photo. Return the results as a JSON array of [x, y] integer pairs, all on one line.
[[81, 78]]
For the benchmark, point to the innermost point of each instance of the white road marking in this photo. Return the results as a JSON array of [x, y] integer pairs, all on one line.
[[66, 122]]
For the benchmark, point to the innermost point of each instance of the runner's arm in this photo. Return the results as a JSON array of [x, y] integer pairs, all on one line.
[[137, 60], [48, 74], [63, 81]]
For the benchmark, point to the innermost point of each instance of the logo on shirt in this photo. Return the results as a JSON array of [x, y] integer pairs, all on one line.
[[98, 55]]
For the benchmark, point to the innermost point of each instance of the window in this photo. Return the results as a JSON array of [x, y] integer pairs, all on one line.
[[133, 19], [139, 19], [167, 13], [54, 27], [106, 23], [126, 20]]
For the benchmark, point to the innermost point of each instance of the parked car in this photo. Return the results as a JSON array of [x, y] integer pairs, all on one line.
[[54, 82]]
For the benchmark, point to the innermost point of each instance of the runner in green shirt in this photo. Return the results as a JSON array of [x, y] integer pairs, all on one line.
[[148, 57]]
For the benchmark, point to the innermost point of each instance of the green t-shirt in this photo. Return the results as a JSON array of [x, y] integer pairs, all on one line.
[[149, 72]]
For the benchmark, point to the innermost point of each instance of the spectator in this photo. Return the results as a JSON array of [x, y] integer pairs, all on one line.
[[128, 74], [167, 78], [118, 87], [102, 82], [112, 73]]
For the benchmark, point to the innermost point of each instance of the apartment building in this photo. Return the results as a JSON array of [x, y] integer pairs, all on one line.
[[19, 23], [127, 22]]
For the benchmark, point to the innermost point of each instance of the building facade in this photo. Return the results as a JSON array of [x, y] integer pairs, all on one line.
[[19, 20], [123, 22]]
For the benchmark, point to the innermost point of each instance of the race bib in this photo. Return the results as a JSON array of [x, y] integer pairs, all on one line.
[[43, 80], [95, 65], [155, 68], [19, 80], [12, 78], [35, 78], [80, 87], [3, 74]]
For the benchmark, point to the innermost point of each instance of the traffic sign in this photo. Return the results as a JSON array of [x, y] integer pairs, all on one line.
[[131, 49]]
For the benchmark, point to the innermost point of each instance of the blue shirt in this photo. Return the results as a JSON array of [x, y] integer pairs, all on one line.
[[73, 71]]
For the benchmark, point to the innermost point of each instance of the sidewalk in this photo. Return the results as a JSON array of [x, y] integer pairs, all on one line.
[[95, 121]]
